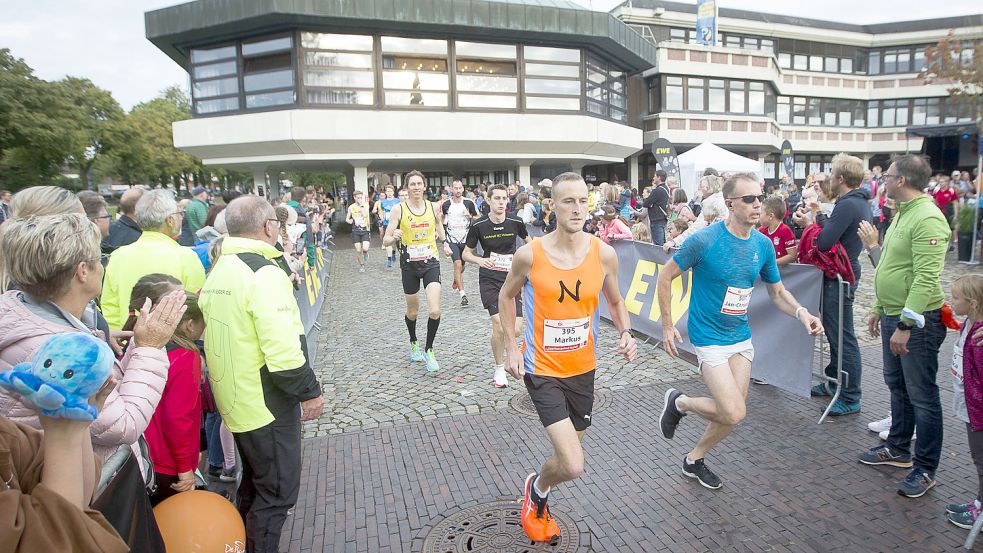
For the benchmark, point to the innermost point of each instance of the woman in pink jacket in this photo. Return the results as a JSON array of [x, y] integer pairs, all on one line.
[[611, 227], [55, 263]]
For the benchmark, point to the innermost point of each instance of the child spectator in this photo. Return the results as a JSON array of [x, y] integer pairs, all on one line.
[[781, 237], [676, 227], [967, 387], [641, 232], [174, 436], [612, 227]]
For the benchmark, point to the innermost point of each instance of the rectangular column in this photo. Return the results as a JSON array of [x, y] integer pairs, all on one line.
[[633, 178], [524, 175], [259, 181], [361, 178]]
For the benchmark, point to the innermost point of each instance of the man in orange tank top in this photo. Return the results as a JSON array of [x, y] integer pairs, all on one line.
[[561, 277]]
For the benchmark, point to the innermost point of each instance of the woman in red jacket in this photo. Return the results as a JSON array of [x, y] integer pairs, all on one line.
[[173, 435]]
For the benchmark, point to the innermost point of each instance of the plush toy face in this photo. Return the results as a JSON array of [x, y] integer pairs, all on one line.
[[65, 372], [77, 363]]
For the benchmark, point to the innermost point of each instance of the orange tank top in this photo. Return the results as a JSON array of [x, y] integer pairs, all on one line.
[[560, 308]]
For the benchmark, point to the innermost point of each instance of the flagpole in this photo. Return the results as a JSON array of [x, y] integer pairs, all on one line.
[[973, 260]]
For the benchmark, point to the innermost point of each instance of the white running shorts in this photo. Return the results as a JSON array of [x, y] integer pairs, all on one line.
[[716, 356]]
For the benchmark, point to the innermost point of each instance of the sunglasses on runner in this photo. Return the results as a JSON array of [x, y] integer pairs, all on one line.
[[749, 199]]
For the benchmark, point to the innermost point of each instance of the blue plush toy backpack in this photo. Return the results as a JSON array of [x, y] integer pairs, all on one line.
[[65, 372]]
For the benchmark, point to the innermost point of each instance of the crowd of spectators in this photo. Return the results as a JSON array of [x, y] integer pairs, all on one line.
[[67, 266]]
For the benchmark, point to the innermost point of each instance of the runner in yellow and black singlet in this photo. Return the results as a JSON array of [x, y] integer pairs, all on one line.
[[416, 227]]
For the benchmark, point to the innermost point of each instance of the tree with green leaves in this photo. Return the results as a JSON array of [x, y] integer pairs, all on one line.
[[958, 64]]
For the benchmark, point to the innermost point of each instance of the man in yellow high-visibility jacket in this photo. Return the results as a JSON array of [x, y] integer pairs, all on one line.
[[256, 353]]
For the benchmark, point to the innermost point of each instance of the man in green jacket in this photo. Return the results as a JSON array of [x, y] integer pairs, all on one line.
[[907, 316], [258, 366], [197, 210]]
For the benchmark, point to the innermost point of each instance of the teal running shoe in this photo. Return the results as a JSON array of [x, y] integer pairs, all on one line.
[[415, 354], [431, 359]]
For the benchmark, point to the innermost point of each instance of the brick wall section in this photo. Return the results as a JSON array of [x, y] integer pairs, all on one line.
[[697, 124]]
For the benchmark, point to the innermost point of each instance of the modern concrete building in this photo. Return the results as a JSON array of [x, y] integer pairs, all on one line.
[[826, 86], [490, 89], [496, 90]]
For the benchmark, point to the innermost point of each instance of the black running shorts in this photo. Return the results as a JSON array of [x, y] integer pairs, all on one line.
[[359, 236], [457, 251], [489, 289], [559, 398], [415, 271]]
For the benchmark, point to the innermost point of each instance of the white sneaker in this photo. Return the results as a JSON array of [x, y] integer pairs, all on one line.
[[883, 435], [880, 426], [501, 379]]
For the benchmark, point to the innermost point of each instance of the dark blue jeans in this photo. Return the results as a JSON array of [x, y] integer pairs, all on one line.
[[658, 232], [214, 439], [852, 364], [915, 400]]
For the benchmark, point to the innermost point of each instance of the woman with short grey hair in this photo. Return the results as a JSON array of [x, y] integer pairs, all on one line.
[[55, 262]]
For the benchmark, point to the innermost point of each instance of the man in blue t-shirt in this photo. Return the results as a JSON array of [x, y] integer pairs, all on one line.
[[725, 258]]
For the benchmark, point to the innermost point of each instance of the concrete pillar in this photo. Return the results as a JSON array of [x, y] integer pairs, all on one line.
[[577, 167], [866, 158], [361, 178], [633, 178], [398, 181], [259, 180], [525, 175]]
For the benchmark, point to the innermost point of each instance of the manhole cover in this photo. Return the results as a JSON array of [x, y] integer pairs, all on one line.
[[495, 527], [522, 403]]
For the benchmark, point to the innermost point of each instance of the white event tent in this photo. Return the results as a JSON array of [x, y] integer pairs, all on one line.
[[695, 161]]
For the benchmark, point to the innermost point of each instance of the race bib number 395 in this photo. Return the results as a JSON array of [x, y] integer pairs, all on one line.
[[736, 301], [565, 334]]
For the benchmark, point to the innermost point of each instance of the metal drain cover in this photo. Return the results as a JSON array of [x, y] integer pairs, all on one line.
[[495, 527], [522, 403]]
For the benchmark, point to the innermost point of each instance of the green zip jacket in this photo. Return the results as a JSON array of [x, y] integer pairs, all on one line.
[[908, 275]]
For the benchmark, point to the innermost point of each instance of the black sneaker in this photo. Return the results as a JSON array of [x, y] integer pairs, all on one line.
[[700, 471], [670, 415], [464, 301]]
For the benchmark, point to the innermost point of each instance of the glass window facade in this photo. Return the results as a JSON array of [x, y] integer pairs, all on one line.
[[215, 79], [487, 75], [550, 82], [338, 69], [697, 94], [370, 71], [607, 88]]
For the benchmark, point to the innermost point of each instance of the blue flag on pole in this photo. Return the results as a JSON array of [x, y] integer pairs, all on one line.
[[706, 22]]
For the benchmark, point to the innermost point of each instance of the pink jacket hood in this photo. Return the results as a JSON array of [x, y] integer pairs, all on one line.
[[142, 374]]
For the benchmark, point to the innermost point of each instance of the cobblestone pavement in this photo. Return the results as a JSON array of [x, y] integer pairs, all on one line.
[[399, 450]]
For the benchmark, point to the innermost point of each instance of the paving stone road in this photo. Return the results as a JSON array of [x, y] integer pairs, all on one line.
[[399, 450]]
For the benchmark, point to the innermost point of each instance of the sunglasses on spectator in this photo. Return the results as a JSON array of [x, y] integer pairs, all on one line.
[[750, 198]]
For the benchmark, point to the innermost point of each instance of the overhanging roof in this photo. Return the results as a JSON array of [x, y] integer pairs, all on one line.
[[940, 23], [554, 22], [951, 129]]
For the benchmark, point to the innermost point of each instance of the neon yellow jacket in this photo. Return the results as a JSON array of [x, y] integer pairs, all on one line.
[[153, 252], [255, 346]]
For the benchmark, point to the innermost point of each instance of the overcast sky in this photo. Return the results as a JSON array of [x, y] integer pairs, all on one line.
[[103, 40]]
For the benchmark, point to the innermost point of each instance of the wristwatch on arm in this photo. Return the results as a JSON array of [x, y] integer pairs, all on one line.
[[904, 326]]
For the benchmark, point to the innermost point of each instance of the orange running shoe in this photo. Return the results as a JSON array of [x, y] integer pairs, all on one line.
[[537, 522]]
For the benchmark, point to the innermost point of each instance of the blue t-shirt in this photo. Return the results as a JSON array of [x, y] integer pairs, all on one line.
[[724, 270], [387, 205]]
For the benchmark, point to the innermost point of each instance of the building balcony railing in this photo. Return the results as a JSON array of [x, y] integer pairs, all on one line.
[[727, 62], [764, 132]]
